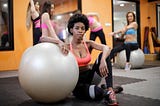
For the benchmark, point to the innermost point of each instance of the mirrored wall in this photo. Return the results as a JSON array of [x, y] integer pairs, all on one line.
[[6, 25], [64, 9], [120, 9]]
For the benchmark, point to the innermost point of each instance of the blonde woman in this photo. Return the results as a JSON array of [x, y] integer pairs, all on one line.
[[33, 15]]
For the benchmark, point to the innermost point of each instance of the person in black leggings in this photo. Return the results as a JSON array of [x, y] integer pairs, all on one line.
[[130, 41], [128, 47], [77, 26], [84, 84], [33, 14], [95, 27]]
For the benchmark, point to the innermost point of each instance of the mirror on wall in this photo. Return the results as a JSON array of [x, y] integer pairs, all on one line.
[[120, 9], [6, 26], [63, 10], [62, 21], [62, 7]]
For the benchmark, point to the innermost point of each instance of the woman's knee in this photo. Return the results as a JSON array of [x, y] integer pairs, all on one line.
[[88, 92]]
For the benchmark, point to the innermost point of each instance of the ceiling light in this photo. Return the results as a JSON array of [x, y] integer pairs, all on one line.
[[5, 5], [59, 17], [121, 5]]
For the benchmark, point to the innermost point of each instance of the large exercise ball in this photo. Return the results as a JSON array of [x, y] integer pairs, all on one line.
[[136, 58], [47, 75]]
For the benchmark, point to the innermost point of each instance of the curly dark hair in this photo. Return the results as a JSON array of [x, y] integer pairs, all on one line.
[[78, 17]]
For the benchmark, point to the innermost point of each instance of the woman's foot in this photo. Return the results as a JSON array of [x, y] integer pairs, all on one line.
[[110, 98], [116, 89], [127, 67]]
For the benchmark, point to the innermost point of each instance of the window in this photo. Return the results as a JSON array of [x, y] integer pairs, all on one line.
[[6, 25]]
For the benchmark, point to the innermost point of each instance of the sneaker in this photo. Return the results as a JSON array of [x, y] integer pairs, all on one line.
[[116, 89], [127, 67], [110, 99]]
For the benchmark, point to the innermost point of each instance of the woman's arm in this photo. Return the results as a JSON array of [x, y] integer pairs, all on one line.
[[34, 13], [53, 37], [122, 31], [93, 14], [132, 25], [105, 53], [32, 6], [101, 47]]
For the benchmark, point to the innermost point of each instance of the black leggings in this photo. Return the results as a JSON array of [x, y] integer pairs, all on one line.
[[36, 35], [128, 47], [4, 40], [99, 34], [82, 88]]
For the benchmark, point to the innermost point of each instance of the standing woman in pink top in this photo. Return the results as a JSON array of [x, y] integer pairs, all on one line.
[[95, 28], [34, 15], [48, 31]]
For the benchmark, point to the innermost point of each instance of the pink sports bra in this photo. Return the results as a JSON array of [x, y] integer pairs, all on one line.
[[82, 61], [36, 22], [43, 25]]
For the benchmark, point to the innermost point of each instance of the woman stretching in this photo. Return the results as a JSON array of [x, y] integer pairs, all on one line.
[[33, 14], [130, 43], [96, 28]]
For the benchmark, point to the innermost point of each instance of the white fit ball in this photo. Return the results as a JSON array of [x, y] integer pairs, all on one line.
[[47, 75], [136, 58]]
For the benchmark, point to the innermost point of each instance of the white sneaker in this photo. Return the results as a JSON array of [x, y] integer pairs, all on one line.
[[127, 67]]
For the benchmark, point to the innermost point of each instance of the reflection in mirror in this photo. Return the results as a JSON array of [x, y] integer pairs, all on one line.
[[6, 34], [119, 17], [62, 21], [63, 9]]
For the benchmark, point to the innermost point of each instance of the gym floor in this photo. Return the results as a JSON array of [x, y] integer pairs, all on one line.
[[141, 88]]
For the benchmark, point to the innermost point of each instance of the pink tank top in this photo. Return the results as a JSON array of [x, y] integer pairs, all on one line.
[[37, 24], [43, 25], [82, 61], [91, 20]]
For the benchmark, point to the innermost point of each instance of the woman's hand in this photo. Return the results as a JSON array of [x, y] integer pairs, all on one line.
[[111, 34], [63, 48], [43, 39], [62, 45], [103, 69]]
